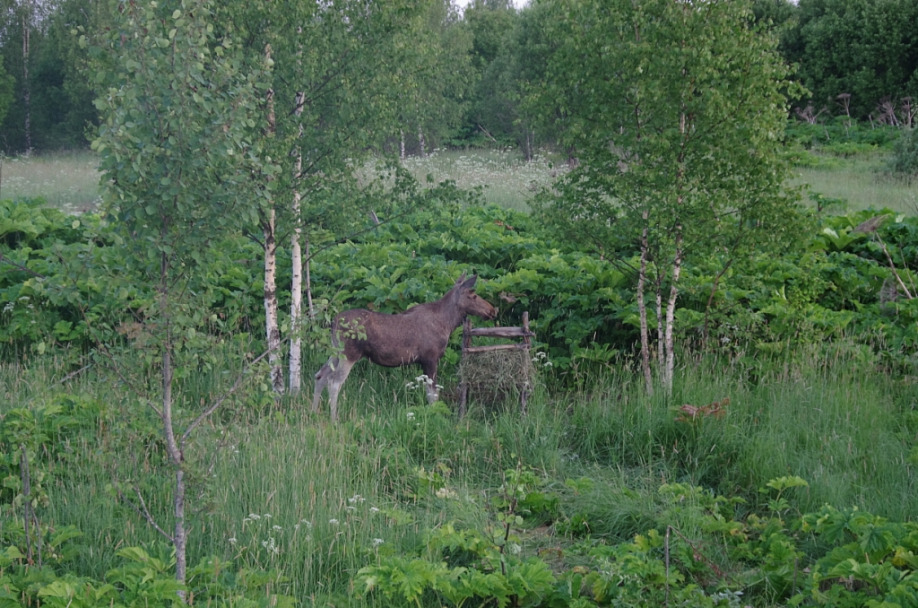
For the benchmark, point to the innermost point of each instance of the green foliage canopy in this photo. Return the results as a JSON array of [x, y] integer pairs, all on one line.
[[177, 141], [676, 109]]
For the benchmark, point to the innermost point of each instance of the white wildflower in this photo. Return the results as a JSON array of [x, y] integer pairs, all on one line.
[[445, 493], [423, 379]]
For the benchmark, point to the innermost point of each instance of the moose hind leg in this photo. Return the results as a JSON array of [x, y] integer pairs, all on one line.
[[335, 380], [322, 381]]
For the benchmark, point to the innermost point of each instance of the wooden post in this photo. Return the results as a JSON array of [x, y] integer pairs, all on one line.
[[463, 385], [527, 343]]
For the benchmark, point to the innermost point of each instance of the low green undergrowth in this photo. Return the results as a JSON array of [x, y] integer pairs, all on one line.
[[854, 277], [766, 486]]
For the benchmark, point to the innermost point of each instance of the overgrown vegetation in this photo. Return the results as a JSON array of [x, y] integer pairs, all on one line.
[[154, 451], [596, 498], [854, 278], [801, 394]]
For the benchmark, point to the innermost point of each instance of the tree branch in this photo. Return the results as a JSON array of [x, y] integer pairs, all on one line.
[[216, 404], [5, 259], [141, 509]]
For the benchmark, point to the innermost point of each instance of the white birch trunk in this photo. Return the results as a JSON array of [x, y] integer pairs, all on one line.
[[296, 294], [296, 282], [272, 328], [642, 311], [669, 344], [658, 301]]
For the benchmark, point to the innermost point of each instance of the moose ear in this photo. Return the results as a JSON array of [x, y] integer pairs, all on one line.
[[469, 283]]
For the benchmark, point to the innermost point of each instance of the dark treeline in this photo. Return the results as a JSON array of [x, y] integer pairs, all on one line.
[[856, 58]]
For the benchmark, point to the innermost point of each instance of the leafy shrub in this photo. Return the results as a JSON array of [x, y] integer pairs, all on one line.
[[904, 161], [141, 579], [63, 287], [872, 562], [840, 130]]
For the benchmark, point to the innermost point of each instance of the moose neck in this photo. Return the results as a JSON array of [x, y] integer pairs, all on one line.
[[448, 311]]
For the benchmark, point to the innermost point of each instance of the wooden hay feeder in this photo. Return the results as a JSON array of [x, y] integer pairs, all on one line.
[[493, 371]]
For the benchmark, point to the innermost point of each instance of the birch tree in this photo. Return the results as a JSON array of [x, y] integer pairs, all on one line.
[[333, 90], [676, 110], [177, 149]]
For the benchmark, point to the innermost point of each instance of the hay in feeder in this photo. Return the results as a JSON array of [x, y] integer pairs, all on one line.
[[493, 376]]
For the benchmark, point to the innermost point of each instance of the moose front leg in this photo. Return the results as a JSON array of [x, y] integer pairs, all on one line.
[[430, 370]]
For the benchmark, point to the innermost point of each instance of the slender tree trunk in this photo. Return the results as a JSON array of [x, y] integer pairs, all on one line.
[[179, 536], [296, 304], [296, 282], [272, 327], [401, 144], [26, 81], [669, 345], [422, 145], [668, 341], [296, 295], [658, 309], [642, 312]]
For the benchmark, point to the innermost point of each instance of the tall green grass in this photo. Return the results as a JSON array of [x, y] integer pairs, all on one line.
[[505, 177], [281, 489]]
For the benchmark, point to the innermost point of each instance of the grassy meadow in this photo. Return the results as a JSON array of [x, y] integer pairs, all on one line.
[[860, 181], [301, 504], [69, 181]]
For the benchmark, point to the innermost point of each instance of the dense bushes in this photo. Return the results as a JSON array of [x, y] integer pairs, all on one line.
[[855, 276]]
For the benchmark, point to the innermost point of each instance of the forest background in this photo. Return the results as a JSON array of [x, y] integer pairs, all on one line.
[[724, 410], [857, 59]]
